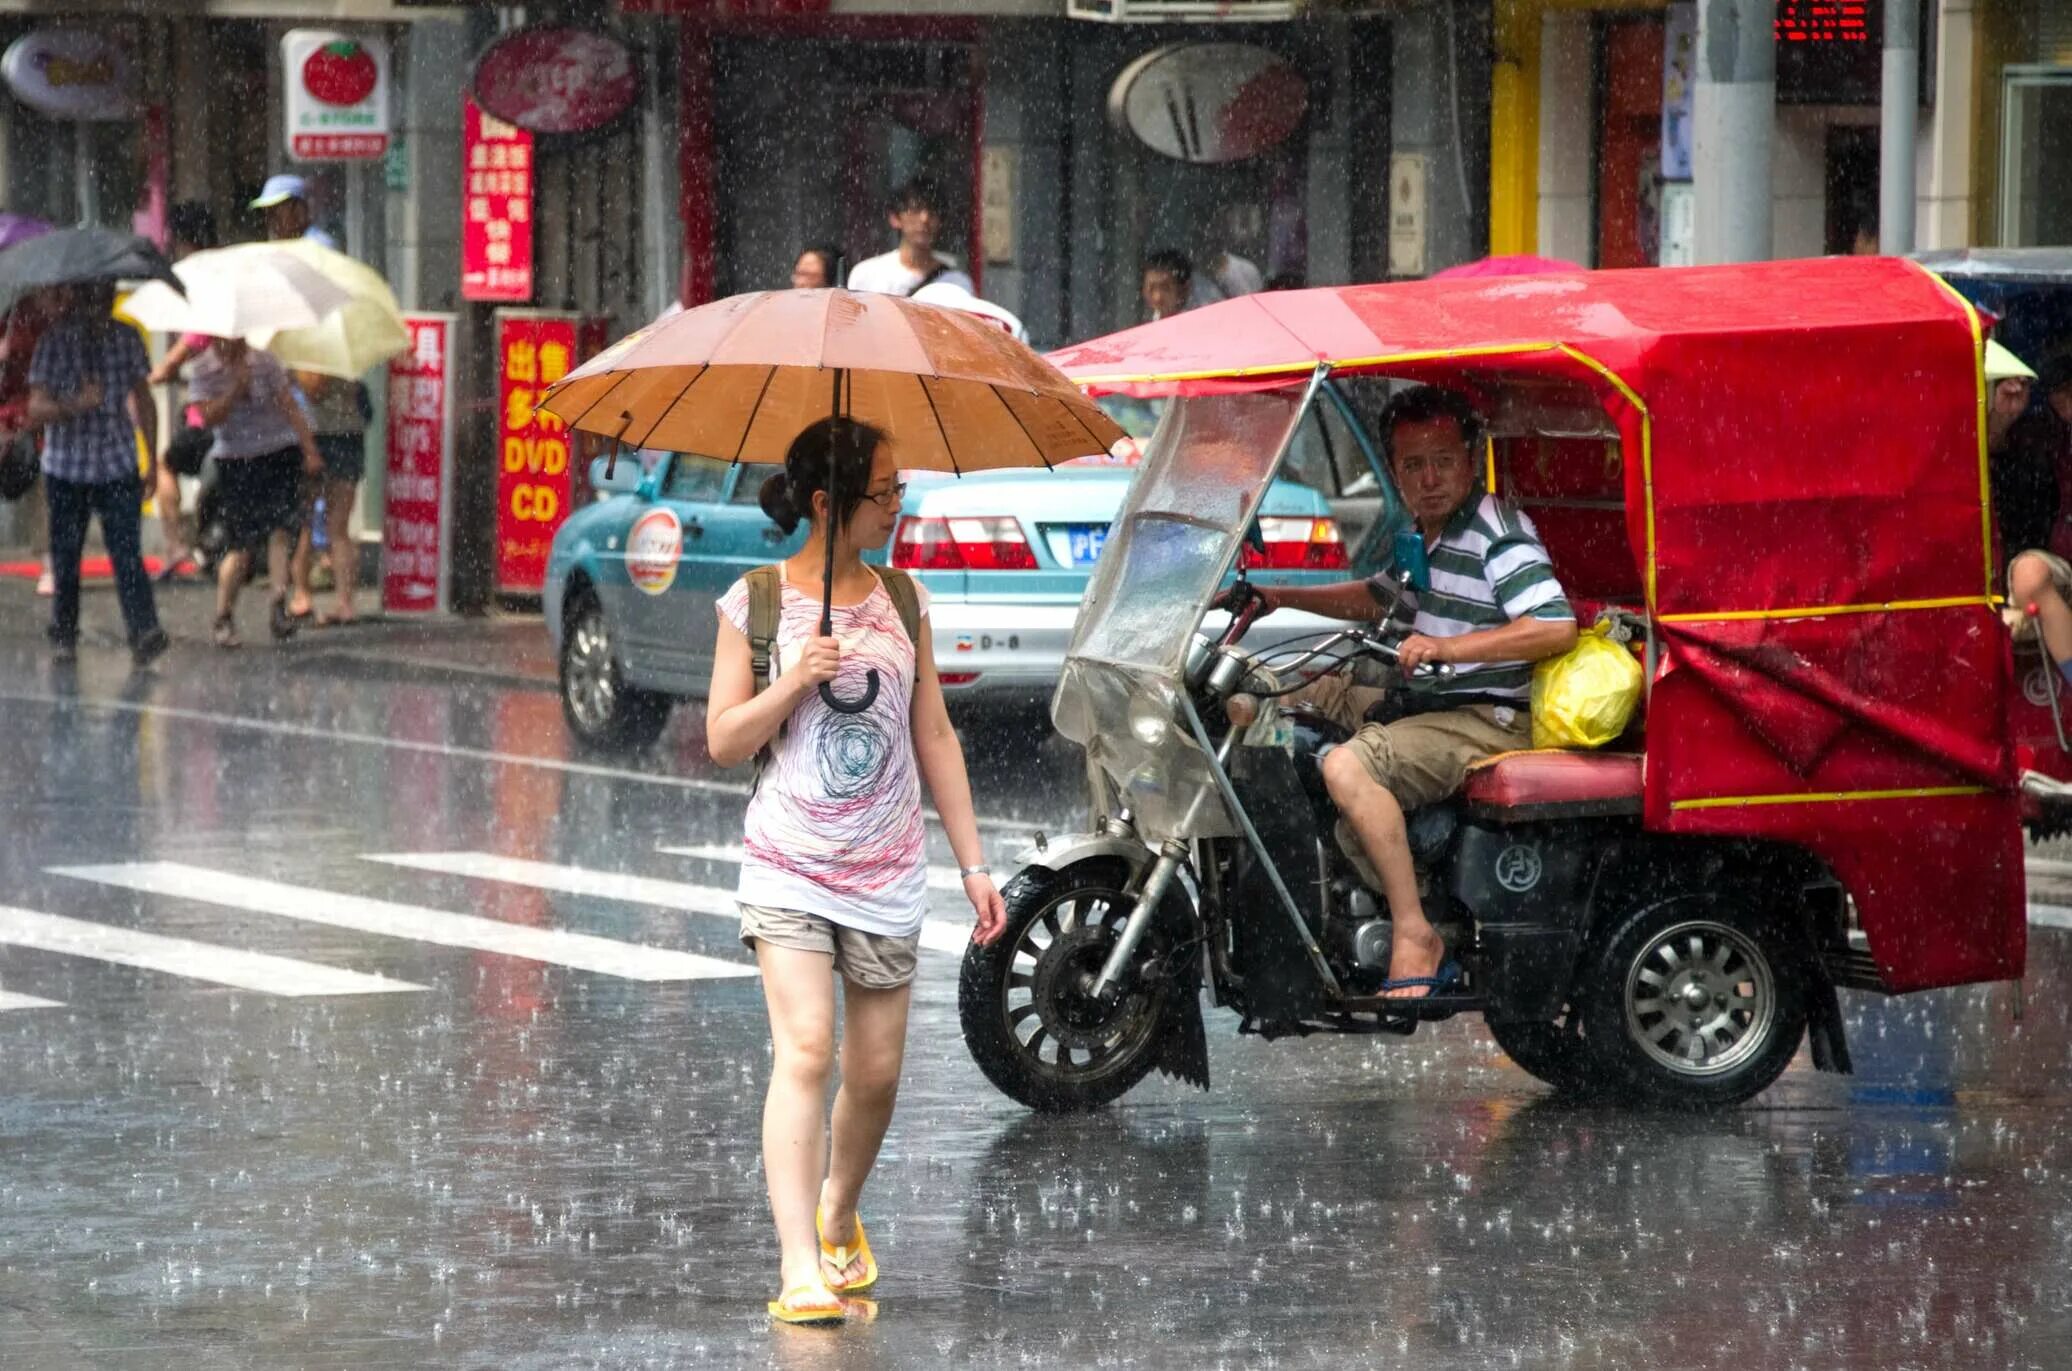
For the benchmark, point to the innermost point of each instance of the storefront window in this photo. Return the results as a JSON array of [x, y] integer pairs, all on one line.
[[2036, 157]]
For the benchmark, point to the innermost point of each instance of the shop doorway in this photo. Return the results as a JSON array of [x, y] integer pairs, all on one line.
[[880, 113]]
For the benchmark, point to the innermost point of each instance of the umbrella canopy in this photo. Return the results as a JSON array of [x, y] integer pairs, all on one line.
[[349, 341], [20, 228], [1510, 264], [237, 292], [66, 257], [738, 379]]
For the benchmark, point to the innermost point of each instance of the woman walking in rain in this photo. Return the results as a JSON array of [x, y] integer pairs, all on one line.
[[834, 879]]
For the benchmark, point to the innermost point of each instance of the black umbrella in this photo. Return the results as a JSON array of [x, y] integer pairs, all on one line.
[[71, 256]]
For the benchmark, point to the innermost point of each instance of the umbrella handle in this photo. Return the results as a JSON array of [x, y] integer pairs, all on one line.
[[842, 706]]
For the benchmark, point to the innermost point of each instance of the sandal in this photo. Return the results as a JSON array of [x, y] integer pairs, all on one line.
[[226, 632], [1447, 981], [838, 1257], [785, 1310], [282, 624]]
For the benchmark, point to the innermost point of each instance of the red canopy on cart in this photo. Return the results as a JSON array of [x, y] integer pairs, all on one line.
[[1806, 507]]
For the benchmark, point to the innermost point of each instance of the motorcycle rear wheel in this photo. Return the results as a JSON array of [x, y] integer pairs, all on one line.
[[1034, 1035]]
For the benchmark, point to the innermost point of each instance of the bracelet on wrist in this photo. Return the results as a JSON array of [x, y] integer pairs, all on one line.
[[967, 872]]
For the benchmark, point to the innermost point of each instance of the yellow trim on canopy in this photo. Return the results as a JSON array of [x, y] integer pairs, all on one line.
[[1824, 611], [1828, 797], [1978, 357]]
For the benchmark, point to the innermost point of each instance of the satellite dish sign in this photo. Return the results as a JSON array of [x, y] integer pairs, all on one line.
[[1209, 102]]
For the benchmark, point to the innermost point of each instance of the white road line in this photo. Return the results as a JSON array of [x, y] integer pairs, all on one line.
[[2050, 916], [2046, 866], [335, 735], [10, 1000], [229, 966], [580, 951], [937, 935], [939, 877]]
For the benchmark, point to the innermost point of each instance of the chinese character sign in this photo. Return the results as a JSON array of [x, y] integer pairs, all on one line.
[[496, 208], [417, 523], [534, 488]]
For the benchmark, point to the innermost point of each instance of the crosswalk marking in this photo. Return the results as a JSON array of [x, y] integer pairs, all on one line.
[[579, 951], [939, 877], [10, 1000], [2050, 916], [229, 966], [937, 935]]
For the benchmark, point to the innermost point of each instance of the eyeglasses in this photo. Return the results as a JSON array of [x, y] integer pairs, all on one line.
[[889, 496]]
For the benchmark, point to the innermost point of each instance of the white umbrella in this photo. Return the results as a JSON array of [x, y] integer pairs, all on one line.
[[236, 292], [349, 341]]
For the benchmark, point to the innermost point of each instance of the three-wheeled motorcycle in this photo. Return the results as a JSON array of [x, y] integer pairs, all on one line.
[[1776, 471]]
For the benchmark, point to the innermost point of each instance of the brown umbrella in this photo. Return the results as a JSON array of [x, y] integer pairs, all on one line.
[[740, 378]]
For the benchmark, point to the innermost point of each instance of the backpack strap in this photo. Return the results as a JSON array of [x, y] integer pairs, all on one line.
[[905, 598], [765, 606]]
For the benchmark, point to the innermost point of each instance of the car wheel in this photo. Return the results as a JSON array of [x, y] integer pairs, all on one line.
[[601, 709], [1697, 1001]]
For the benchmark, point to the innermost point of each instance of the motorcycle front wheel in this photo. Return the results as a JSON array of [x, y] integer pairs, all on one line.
[[1030, 1027]]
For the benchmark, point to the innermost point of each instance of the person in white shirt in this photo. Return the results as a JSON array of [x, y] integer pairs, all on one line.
[[915, 213]]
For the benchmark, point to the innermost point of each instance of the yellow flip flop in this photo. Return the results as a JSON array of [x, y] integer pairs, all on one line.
[[840, 1257], [784, 1311]]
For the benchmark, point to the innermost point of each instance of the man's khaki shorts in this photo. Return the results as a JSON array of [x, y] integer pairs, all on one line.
[[1424, 758], [874, 961]]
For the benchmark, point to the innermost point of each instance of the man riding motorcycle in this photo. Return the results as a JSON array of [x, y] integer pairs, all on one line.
[[1492, 610]]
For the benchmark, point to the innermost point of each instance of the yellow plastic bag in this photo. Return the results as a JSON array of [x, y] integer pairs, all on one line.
[[1586, 696]]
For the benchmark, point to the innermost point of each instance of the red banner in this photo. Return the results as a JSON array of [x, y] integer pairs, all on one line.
[[496, 210], [534, 349], [417, 522]]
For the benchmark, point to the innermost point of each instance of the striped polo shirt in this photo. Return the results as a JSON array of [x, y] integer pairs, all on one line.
[[1488, 568]]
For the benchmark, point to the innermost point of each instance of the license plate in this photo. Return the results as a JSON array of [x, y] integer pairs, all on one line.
[[1086, 544]]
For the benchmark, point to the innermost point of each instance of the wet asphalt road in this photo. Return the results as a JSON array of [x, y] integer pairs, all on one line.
[[516, 1154]]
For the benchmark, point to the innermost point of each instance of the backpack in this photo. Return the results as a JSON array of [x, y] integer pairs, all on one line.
[[766, 608]]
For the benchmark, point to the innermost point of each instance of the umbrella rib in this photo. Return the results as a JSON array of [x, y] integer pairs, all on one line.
[[1041, 455], [575, 420], [1084, 427], [703, 367], [748, 424], [944, 433]]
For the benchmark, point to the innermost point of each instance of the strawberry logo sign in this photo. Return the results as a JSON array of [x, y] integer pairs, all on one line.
[[337, 91], [341, 73]]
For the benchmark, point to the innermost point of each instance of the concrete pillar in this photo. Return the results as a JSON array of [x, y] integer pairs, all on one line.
[[1954, 132], [1567, 227], [1734, 107], [424, 261], [1899, 105]]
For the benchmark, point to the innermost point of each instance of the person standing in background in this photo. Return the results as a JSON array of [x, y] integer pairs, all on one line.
[[192, 229], [284, 200], [817, 268], [87, 392], [915, 213], [23, 326], [1167, 282], [338, 415]]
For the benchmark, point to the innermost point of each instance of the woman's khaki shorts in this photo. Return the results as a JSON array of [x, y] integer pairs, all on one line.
[[875, 961]]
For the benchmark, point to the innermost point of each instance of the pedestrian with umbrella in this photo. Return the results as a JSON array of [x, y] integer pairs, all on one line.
[[262, 445], [88, 395], [825, 669]]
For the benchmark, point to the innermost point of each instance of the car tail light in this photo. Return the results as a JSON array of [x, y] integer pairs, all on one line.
[[962, 543], [956, 678], [1297, 544]]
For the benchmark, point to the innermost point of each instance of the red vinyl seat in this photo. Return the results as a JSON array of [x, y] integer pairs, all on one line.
[[1556, 784]]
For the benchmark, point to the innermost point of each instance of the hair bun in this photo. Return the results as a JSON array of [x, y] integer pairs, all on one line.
[[776, 500]]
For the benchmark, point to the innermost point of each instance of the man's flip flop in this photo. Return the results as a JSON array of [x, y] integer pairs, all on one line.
[[784, 1311], [1449, 978], [839, 1257]]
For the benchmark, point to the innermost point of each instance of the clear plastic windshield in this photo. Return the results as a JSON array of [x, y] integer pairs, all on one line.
[[1204, 473]]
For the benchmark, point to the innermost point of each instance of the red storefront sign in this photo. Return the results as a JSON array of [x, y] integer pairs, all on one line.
[[417, 525], [558, 79], [534, 488], [496, 208]]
